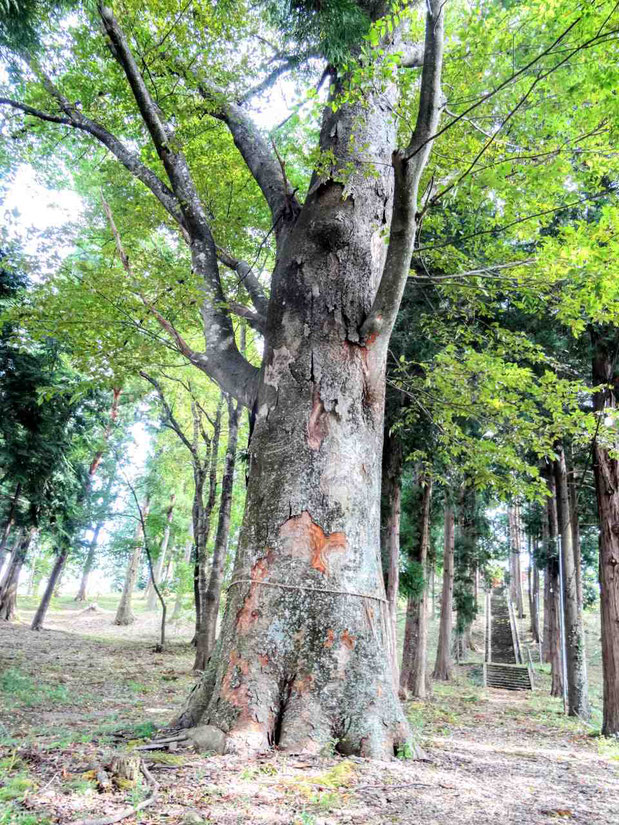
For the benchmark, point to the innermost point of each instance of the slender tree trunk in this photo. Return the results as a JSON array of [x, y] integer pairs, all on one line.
[[204, 646], [124, 614], [606, 469], [534, 591], [202, 529], [178, 604], [413, 675], [89, 563], [39, 616], [516, 567], [151, 596], [444, 665], [8, 593], [391, 498], [8, 524], [576, 666], [555, 655], [575, 525]]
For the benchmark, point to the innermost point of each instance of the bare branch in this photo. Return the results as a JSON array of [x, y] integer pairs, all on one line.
[[77, 120], [169, 414]]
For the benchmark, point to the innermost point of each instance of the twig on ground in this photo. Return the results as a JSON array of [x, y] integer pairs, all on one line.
[[127, 812]]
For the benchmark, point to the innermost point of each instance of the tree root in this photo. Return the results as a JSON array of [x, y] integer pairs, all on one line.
[[146, 803]]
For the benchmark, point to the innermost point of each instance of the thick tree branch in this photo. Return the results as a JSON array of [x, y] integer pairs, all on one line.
[[259, 157], [222, 361], [408, 168], [249, 280]]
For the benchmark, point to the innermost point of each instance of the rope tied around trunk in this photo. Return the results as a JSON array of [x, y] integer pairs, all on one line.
[[308, 589]]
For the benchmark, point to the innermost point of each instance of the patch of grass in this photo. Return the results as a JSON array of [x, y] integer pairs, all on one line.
[[609, 747], [22, 690], [80, 785], [16, 787], [12, 816]]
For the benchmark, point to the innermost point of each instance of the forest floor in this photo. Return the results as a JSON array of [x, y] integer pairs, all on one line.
[[77, 694]]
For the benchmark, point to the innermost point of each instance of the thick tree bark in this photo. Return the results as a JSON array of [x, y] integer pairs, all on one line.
[[575, 664], [8, 593], [413, 674], [151, 595], [124, 614], [606, 469], [444, 666], [39, 616], [391, 499], [8, 524], [212, 597], [305, 635], [552, 604]]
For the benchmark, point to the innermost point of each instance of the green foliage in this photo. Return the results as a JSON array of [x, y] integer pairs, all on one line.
[[21, 690]]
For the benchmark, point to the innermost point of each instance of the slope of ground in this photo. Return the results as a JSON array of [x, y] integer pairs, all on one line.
[[73, 697]]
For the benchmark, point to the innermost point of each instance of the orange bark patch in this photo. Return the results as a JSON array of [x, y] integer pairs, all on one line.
[[248, 614], [304, 684], [263, 659], [318, 424], [347, 640], [308, 540], [330, 638]]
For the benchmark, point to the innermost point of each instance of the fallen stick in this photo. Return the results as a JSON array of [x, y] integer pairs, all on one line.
[[112, 818]]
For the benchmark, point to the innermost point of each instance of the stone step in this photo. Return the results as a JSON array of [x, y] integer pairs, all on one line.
[[507, 677]]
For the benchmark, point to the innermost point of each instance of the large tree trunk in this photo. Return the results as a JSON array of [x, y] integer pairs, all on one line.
[[39, 616], [8, 524], [413, 675], [391, 499], [444, 665], [305, 636], [89, 563], [124, 614], [606, 468], [151, 595], [553, 604], [575, 664], [204, 646], [8, 593]]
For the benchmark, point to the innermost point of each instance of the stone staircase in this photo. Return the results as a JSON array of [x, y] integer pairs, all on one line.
[[503, 667]]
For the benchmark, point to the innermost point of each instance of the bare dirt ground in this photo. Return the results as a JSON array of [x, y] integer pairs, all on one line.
[[74, 696]]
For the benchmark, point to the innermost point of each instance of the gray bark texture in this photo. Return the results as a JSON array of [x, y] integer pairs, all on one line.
[[8, 592], [443, 667], [606, 468], [303, 654], [576, 665], [391, 498], [212, 597], [413, 675], [552, 603]]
